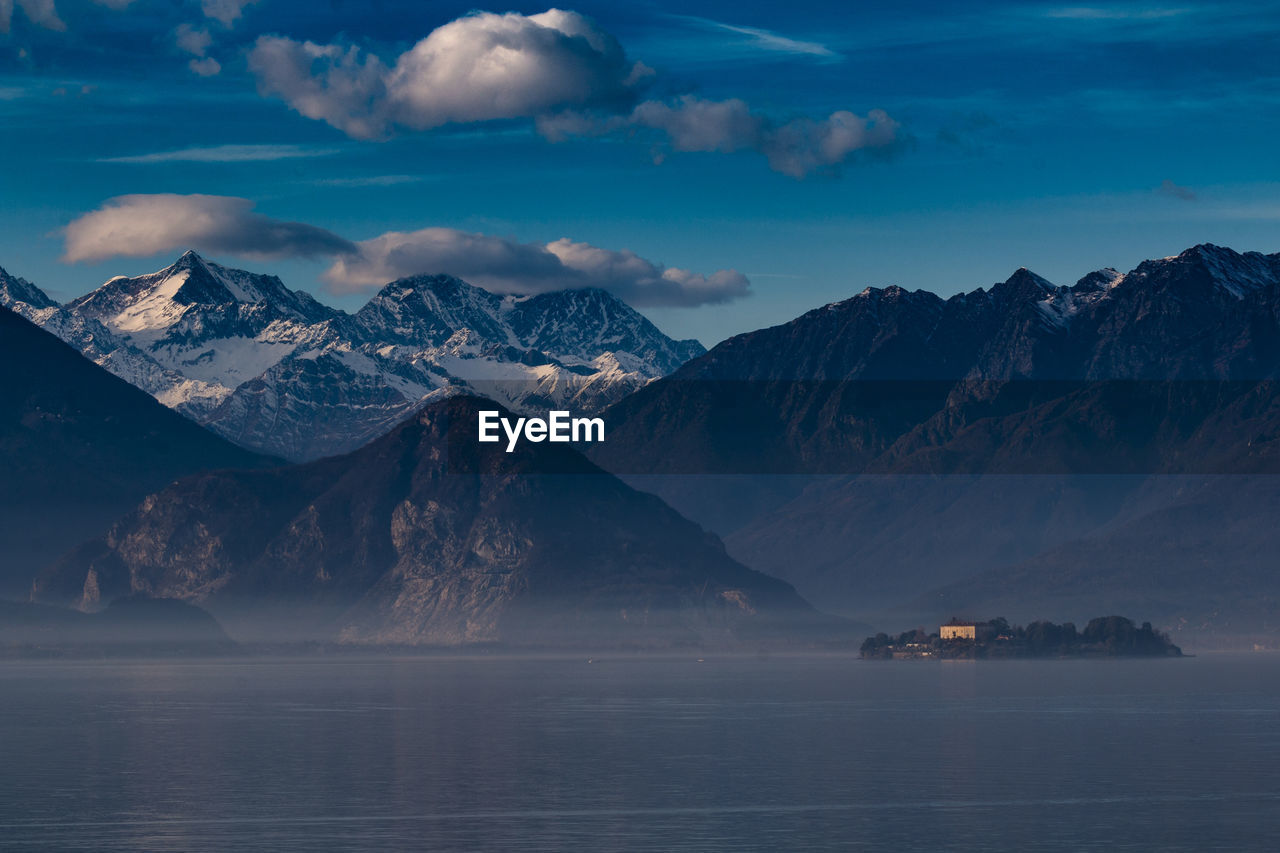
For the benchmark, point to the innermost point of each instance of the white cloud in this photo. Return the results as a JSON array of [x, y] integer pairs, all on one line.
[[506, 266], [797, 147], [225, 154], [694, 124], [144, 225], [206, 67], [226, 12], [805, 145], [477, 68], [42, 13], [326, 82], [192, 40], [196, 41], [557, 68]]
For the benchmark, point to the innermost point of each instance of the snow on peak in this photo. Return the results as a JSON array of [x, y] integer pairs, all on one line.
[[16, 292], [1104, 279], [1235, 273], [275, 370]]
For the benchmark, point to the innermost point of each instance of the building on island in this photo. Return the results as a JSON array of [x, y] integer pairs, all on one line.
[[958, 629]]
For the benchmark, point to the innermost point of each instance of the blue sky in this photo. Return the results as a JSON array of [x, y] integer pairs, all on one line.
[[1056, 136]]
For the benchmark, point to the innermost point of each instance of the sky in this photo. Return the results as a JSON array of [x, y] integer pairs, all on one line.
[[721, 166]]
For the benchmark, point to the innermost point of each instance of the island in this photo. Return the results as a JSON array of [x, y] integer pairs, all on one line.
[[1106, 636]]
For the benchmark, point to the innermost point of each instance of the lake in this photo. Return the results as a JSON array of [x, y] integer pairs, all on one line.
[[631, 754]]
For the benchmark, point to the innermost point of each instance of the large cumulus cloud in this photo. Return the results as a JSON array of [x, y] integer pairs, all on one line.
[[139, 226], [477, 68], [503, 265], [557, 68]]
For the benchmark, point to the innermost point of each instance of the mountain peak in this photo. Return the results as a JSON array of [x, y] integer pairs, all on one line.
[[1226, 269], [1209, 250], [1023, 277], [15, 290], [1103, 279], [426, 281], [425, 310], [192, 261], [161, 298]]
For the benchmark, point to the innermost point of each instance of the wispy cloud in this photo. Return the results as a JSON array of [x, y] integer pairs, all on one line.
[[765, 39], [205, 67], [226, 154], [192, 40], [44, 13], [373, 181], [1169, 188], [40, 12], [225, 12], [796, 148], [1130, 13]]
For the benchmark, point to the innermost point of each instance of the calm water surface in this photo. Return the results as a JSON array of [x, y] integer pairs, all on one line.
[[653, 755]]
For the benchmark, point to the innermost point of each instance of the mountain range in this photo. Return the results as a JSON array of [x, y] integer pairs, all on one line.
[[276, 371], [924, 453], [1026, 450]]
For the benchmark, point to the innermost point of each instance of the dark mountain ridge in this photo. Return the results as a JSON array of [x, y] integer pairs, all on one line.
[[902, 441], [80, 447], [427, 537], [863, 384]]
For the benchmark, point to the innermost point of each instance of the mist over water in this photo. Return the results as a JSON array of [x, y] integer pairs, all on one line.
[[620, 753]]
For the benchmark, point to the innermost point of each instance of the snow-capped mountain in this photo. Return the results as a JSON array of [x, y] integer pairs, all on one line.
[[98, 343], [23, 297], [214, 327], [277, 371], [571, 326]]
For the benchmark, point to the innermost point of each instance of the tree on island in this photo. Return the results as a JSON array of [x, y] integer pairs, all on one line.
[[1106, 636]]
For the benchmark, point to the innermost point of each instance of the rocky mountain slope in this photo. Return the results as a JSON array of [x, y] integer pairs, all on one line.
[[427, 536], [275, 370], [938, 438], [78, 447], [842, 384], [1202, 561]]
